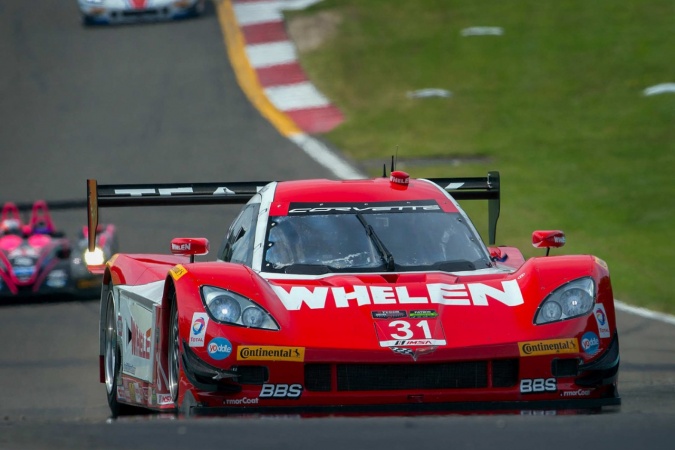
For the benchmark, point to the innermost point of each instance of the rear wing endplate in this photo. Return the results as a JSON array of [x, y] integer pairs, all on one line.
[[120, 195], [476, 188]]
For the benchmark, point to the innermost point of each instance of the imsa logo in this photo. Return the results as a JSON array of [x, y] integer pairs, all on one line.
[[281, 391]]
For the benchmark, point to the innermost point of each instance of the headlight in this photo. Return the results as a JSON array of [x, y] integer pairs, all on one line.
[[95, 258], [574, 299], [231, 308]]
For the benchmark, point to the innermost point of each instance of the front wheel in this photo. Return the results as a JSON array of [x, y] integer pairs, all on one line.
[[174, 351], [112, 359]]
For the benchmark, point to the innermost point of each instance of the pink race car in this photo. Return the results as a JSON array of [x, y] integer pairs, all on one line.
[[39, 261]]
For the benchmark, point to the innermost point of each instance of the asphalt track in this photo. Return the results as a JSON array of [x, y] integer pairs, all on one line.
[[160, 103]]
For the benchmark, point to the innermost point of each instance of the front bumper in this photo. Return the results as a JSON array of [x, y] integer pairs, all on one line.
[[499, 384], [103, 13]]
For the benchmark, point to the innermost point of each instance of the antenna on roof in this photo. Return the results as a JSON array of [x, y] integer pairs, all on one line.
[[384, 170], [394, 158]]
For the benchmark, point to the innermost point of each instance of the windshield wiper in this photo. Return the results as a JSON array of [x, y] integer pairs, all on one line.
[[386, 255]]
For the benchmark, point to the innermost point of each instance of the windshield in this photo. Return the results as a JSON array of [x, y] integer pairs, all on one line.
[[374, 241]]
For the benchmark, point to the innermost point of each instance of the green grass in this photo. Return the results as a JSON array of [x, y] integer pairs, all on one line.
[[555, 104]]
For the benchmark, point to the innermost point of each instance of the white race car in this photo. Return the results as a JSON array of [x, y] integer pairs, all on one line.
[[96, 12]]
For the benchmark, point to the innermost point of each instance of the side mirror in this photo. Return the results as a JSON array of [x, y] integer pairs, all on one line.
[[190, 247], [497, 255], [548, 239]]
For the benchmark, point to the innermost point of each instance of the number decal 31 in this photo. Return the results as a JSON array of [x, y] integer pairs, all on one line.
[[410, 333]]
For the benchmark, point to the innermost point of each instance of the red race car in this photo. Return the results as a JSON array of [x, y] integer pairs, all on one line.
[[351, 297]]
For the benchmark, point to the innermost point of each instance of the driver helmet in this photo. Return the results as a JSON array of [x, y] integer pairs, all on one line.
[[42, 228], [10, 226]]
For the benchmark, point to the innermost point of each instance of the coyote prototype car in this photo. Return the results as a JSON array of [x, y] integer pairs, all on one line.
[[39, 261], [95, 12], [356, 297]]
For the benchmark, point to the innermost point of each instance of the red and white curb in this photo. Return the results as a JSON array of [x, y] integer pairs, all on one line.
[[274, 58]]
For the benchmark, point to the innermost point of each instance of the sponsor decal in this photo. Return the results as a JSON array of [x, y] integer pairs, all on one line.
[[548, 347], [364, 208], [281, 391], [22, 251], [122, 393], [601, 319], [414, 342], [135, 393], [84, 284], [389, 314], [219, 348], [219, 190], [112, 259], [57, 279], [140, 341], [410, 333], [185, 247], [424, 314], [129, 368], [270, 353], [177, 272], [538, 385], [164, 399], [470, 294], [200, 322], [241, 401], [139, 325], [577, 393], [590, 343]]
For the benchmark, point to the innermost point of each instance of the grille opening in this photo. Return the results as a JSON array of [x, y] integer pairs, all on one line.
[[565, 367], [141, 13], [251, 374], [317, 377], [505, 373], [377, 377], [382, 377]]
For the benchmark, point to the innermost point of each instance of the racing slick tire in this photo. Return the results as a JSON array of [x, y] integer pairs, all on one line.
[[184, 409], [112, 359], [88, 21], [173, 356]]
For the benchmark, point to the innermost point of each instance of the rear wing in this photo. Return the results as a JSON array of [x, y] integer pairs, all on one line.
[[122, 195], [476, 188]]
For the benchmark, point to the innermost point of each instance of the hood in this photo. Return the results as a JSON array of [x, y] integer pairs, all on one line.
[[452, 311], [407, 310]]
